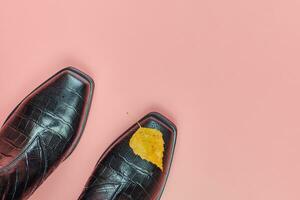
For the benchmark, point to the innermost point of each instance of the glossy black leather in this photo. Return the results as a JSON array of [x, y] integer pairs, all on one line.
[[42, 131], [122, 175]]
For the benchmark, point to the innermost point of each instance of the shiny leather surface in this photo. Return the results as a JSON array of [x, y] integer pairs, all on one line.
[[122, 175], [42, 131]]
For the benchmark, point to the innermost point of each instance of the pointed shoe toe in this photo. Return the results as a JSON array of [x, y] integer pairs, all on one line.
[[137, 164], [42, 131]]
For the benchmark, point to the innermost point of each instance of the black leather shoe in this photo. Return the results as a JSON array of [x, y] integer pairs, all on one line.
[[42, 131], [137, 164]]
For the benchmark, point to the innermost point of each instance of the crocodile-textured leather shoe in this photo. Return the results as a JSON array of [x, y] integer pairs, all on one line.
[[42, 131], [136, 165]]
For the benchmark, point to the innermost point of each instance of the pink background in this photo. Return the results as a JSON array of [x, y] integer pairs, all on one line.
[[226, 72]]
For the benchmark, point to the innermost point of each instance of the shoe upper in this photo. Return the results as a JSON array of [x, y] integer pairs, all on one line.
[[122, 174], [42, 131]]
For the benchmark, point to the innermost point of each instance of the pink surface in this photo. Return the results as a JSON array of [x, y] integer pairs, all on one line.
[[226, 72]]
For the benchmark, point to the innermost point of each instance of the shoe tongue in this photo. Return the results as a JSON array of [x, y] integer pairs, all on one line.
[[148, 143]]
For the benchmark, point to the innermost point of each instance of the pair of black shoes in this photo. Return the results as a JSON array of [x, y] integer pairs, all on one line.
[[44, 129]]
